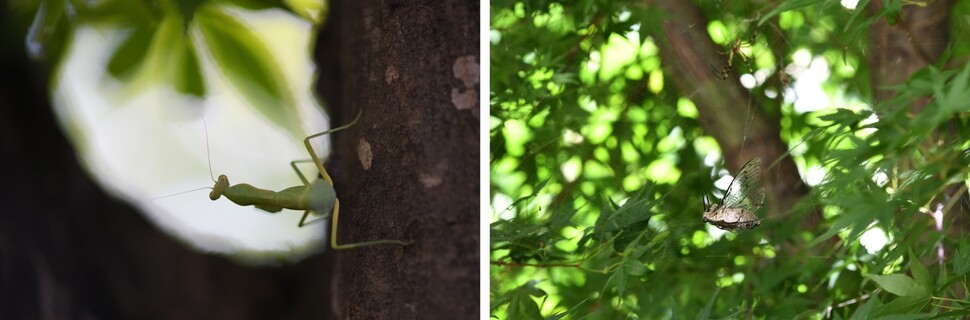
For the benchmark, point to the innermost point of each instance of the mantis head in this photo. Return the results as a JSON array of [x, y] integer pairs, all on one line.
[[219, 187]]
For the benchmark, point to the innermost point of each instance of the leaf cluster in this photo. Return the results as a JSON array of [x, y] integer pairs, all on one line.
[[598, 167], [165, 41]]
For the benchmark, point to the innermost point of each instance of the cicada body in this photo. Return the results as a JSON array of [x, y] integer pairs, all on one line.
[[743, 197]]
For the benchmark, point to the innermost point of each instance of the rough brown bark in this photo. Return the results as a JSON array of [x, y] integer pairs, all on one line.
[[917, 40], [725, 110], [410, 168]]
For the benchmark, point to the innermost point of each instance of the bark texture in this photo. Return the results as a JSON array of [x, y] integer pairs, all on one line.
[[410, 168], [916, 40]]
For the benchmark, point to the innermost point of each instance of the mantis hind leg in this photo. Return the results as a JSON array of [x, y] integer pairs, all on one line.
[[302, 220], [333, 235], [336, 206]]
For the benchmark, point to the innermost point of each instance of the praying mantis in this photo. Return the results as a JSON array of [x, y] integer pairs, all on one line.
[[318, 196]]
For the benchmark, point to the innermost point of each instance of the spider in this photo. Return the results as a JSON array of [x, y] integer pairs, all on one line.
[[735, 49]]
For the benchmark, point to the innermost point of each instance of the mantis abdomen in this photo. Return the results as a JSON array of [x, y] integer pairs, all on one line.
[[317, 197]]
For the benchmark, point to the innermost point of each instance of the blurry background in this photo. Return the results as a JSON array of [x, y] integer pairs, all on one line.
[[611, 121], [142, 139], [104, 103]]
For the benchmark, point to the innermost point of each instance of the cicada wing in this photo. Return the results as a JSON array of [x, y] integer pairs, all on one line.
[[745, 190], [744, 196]]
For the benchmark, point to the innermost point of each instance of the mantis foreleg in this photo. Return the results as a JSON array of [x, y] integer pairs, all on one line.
[[336, 207]]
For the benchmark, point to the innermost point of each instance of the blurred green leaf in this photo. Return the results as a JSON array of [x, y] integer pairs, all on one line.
[[920, 273], [126, 13], [248, 65], [535, 192], [522, 306], [253, 4], [635, 268], [705, 313], [957, 92], [903, 307], [618, 281], [187, 9], [868, 307], [961, 259], [188, 79], [132, 52], [312, 10], [900, 285], [788, 6]]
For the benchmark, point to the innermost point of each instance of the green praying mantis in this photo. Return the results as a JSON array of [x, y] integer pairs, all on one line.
[[318, 196]]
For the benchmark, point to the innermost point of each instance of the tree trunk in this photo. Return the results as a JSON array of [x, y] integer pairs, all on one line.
[[725, 109], [410, 168]]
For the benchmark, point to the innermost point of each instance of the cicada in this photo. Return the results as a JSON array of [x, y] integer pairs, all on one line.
[[743, 197]]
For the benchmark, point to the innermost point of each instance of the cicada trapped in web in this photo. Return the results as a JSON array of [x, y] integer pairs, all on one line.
[[743, 197]]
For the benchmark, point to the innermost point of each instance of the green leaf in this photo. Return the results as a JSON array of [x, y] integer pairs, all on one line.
[[673, 308], [248, 65], [899, 284], [961, 261], [920, 273], [903, 306], [845, 117], [705, 313], [312, 10], [618, 281], [521, 306], [634, 267], [865, 309], [188, 77], [170, 58], [856, 14], [959, 92], [130, 54], [958, 314], [632, 212], [848, 283], [788, 6], [188, 8], [254, 4], [121, 12], [535, 191]]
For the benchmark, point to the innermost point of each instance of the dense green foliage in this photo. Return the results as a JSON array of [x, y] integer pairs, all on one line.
[[599, 166]]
